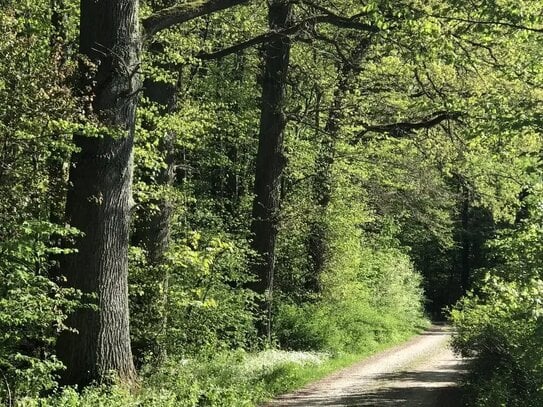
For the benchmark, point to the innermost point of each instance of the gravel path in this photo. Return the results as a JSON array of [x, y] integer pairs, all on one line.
[[421, 372]]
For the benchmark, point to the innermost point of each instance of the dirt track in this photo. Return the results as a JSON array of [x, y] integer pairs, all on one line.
[[421, 372]]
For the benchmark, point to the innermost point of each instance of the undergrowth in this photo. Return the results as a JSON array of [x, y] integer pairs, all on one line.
[[229, 379]]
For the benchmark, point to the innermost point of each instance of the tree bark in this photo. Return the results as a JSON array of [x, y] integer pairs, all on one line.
[[100, 198], [153, 225], [270, 160], [318, 247], [153, 231], [57, 159], [183, 12], [465, 240]]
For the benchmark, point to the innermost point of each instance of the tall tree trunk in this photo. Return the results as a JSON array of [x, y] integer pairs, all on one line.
[[153, 224], [100, 198], [153, 232], [322, 184], [465, 240], [58, 34], [270, 159], [57, 159], [57, 179]]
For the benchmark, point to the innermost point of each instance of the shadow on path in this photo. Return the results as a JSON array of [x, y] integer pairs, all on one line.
[[422, 373], [413, 397], [410, 388]]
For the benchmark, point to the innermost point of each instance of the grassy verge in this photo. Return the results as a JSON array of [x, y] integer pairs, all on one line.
[[229, 379]]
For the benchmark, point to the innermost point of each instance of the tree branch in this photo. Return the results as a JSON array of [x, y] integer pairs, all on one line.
[[487, 22], [259, 39], [342, 22], [330, 13], [181, 13], [402, 129]]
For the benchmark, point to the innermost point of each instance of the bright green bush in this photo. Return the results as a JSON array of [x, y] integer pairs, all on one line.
[[501, 329], [370, 294], [32, 310], [193, 303], [353, 316]]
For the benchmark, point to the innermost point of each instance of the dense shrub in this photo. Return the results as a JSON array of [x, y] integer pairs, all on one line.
[[355, 315], [192, 303], [501, 328], [225, 380], [502, 331], [32, 310], [369, 291]]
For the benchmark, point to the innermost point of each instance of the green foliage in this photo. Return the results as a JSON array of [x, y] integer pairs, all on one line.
[[33, 97], [33, 100], [33, 309], [501, 327], [228, 379], [207, 305], [191, 303], [370, 292], [379, 303]]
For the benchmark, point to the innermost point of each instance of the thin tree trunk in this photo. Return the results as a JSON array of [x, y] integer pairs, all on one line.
[[153, 232], [56, 169], [270, 160], [153, 225], [322, 184], [58, 35], [100, 198], [465, 240]]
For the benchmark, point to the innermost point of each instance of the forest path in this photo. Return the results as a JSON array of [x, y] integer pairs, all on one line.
[[421, 372]]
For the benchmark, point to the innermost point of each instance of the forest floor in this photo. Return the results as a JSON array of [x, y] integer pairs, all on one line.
[[421, 372]]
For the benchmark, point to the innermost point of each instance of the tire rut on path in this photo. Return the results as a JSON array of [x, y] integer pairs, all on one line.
[[422, 372]]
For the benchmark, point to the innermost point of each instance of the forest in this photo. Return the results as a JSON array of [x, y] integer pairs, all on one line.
[[211, 202]]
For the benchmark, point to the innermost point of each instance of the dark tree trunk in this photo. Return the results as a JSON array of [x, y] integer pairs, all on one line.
[[465, 241], [464, 237], [100, 198], [57, 178], [58, 23], [270, 160], [153, 224], [322, 184], [153, 228]]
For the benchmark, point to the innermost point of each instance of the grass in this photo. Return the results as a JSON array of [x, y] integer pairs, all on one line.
[[295, 376], [229, 379]]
